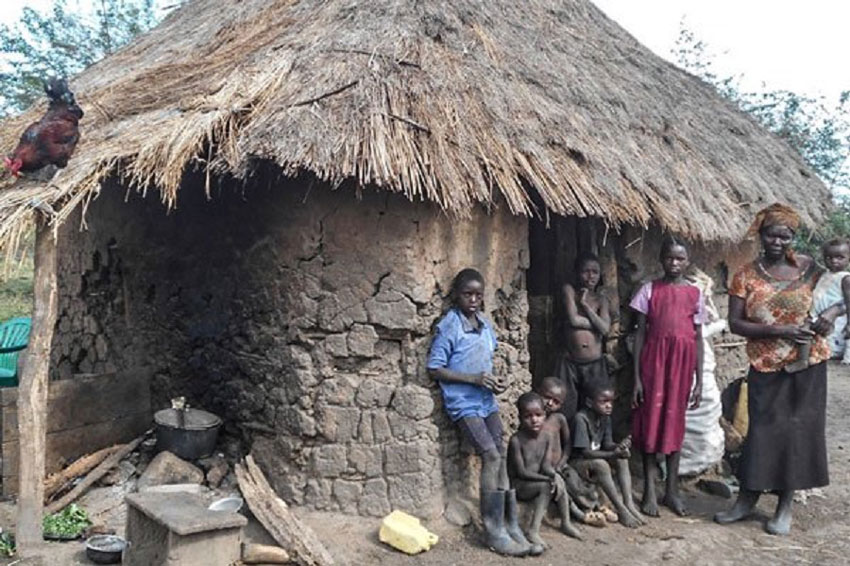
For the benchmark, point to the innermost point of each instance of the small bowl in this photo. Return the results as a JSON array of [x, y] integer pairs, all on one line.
[[228, 504], [105, 549]]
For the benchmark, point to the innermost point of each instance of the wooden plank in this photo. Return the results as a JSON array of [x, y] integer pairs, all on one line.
[[56, 482], [32, 394], [273, 513], [73, 403], [67, 445]]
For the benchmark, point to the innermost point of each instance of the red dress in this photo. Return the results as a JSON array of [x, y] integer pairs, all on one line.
[[667, 367]]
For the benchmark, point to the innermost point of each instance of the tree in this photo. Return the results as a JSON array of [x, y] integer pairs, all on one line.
[[63, 42], [818, 130]]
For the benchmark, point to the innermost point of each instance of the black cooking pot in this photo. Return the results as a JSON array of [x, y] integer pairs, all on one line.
[[189, 434]]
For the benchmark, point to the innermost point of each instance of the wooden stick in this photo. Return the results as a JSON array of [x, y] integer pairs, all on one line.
[[81, 466], [264, 554], [274, 515], [32, 395], [95, 475]]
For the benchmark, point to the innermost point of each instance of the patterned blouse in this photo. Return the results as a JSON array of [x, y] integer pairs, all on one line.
[[772, 301]]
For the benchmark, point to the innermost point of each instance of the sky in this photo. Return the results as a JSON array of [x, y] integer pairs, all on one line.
[[772, 44], [782, 44]]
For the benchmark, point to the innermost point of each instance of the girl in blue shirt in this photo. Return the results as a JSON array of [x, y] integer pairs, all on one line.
[[461, 360]]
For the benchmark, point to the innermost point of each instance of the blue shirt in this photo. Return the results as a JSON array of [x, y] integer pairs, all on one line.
[[460, 347]]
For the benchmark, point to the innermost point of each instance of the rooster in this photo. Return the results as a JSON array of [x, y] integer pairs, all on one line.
[[51, 140]]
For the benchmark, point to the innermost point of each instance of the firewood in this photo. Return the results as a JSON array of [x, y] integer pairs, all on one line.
[[273, 513], [264, 554], [100, 471], [81, 466]]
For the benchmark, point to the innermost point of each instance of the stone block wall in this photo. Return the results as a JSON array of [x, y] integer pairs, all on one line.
[[303, 317]]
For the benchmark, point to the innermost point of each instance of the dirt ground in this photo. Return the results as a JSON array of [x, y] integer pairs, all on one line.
[[820, 534]]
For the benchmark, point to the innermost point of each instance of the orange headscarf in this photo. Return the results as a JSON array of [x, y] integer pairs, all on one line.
[[777, 214]]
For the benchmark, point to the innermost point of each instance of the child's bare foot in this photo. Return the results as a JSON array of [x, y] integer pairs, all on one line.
[[675, 504], [571, 531], [627, 520], [636, 513], [649, 506], [741, 510]]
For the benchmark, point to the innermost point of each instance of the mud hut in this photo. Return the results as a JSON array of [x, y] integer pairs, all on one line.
[[270, 199]]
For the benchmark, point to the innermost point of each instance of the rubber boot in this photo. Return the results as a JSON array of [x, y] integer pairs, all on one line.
[[493, 517], [512, 525]]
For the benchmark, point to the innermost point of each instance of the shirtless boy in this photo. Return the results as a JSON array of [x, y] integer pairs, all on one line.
[[581, 494], [530, 471], [582, 366], [595, 454]]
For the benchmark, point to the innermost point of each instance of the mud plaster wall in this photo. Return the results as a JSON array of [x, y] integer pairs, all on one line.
[[303, 317]]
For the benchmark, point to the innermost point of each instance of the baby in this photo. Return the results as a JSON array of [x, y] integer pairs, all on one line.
[[531, 471], [833, 288], [595, 454]]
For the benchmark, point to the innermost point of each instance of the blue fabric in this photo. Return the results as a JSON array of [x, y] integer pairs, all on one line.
[[460, 347]]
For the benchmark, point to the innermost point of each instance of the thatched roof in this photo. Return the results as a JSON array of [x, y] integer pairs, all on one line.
[[456, 102]]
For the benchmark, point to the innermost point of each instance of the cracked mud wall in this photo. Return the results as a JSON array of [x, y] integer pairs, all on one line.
[[303, 317]]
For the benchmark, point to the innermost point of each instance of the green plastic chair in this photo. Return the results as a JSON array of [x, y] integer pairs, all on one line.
[[14, 336]]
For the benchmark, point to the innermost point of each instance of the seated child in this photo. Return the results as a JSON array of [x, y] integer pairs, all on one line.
[[833, 289], [554, 392], [595, 454], [532, 475]]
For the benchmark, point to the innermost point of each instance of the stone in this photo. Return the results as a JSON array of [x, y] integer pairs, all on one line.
[[413, 493], [166, 468], [373, 499], [319, 493], [413, 401], [391, 309], [374, 393], [457, 513], [361, 340], [408, 457], [381, 431], [295, 420], [402, 427], [338, 424], [337, 345], [366, 460], [329, 461], [217, 471], [347, 493], [339, 390], [120, 474]]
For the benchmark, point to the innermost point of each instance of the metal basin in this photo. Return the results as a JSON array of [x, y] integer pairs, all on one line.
[[190, 435]]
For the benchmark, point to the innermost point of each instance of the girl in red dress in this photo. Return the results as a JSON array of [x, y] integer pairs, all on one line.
[[668, 371]]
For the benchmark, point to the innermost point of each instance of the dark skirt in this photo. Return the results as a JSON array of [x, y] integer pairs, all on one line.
[[785, 447], [580, 379]]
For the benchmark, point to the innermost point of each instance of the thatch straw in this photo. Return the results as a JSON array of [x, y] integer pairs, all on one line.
[[451, 102]]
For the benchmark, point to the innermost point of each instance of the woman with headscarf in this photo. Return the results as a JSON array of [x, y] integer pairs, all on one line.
[[769, 299]]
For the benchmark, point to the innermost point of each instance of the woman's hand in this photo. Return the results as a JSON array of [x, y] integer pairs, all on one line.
[[495, 383], [582, 300], [798, 334], [637, 396], [824, 324]]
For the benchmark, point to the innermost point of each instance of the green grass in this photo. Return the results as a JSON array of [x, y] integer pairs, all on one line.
[[16, 282]]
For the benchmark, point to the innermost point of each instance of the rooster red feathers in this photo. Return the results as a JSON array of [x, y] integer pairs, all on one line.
[[51, 140]]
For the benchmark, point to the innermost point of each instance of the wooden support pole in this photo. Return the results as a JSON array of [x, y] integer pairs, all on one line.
[[32, 393]]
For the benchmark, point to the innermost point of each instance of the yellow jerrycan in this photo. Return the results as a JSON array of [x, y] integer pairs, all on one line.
[[405, 533]]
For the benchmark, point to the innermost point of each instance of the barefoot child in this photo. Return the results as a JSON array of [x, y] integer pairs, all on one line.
[[668, 370], [582, 365], [461, 360], [531, 472], [832, 288], [595, 454], [582, 495]]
